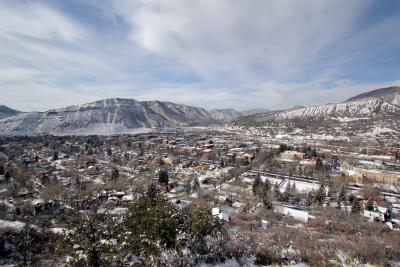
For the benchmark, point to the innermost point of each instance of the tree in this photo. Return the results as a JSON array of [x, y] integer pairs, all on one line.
[[55, 155], [114, 174], [311, 197], [163, 177], [320, 195], [319, 164], [277, 193], [341, 197], [208, 236], [152, 192], [287, 193], [2, 171], [109, 151], [30, 245], [95, 241], [266, 197], [370, 204], [153, 224], [196, 184], [257, 184], [282, 148], [7, 176], [357, 207]]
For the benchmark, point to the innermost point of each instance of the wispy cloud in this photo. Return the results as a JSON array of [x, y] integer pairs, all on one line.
[[210, 53]]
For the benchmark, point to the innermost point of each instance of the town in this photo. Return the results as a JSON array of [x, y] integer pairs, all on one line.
[[280, 199]]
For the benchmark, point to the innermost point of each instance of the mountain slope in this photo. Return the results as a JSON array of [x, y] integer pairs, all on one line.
[[390, 95], [107, 116], [254, 111], [225, 114], [6, 111], [365, 109]]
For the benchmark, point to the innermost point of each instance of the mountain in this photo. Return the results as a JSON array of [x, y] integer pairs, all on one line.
[[390, 95], [254, 111], [225, 114], [354, 111], [6, 111], [109, 116]]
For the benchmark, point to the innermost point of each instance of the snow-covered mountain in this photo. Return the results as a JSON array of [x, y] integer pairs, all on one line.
[[390, 95], [225, 114], [107, 116], [357, 108], [365, 109], [254, 111], [6, 111]]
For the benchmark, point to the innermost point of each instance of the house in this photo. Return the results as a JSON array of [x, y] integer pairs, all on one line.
[[222, 214], [292, 155]]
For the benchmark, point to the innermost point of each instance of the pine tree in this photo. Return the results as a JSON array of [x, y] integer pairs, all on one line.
[[152, 192], [357, 207], [266, 198], [114, 174], [257, 184], [94, 241], [311, 197], [153, 223], [196, 184], [287, 193], [341, 197], [277, 193], [163, 177], [320, 195], [55, 155], [7, 176], [370, 204], [319, 164]]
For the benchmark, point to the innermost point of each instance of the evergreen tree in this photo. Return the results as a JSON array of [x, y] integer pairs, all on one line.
[[188, 186], [152, 192], [370, 204], [282, 148], [153, 223], [357, 207], [96, 240], [163, 177], [257, 184], [266, 197], [109, 151], [319, 164], [277, 193], [114, 174], [55, 155], [287, 193], [311, 197], [7, 176], [320, 195]]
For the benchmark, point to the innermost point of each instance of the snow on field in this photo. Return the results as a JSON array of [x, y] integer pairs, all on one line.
[[14, 225], [347, 119], [301, 187], [300, 215]]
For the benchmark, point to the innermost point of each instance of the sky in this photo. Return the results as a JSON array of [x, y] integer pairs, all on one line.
[[270, 54]]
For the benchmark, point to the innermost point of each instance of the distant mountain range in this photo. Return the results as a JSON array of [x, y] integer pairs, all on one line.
[[7, 112], [377, 104], [108, 116], [118, 115]]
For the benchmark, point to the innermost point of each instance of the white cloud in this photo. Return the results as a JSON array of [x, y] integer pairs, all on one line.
[[223, 36], [35, 20]]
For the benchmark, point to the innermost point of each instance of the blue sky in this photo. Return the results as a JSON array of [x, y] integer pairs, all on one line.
[[209, 53]]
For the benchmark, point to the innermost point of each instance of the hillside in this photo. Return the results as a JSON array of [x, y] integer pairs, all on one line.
[[107, 116], [390, 95], [6, 111]]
